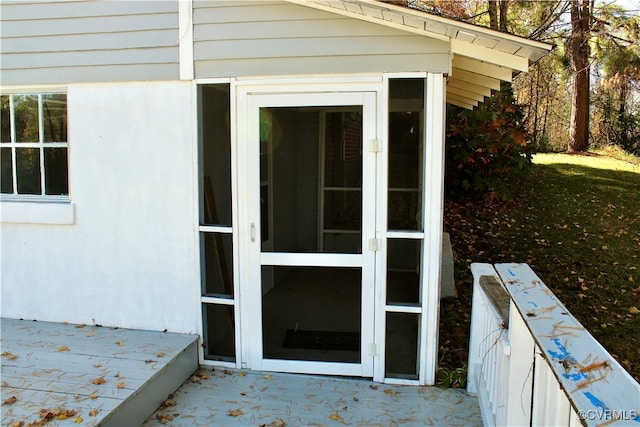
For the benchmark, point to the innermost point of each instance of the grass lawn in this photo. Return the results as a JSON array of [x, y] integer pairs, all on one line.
[[576, 222]]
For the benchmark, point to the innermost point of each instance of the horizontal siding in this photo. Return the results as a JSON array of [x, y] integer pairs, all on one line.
[[276, 38], [88, 41], [436, 63]]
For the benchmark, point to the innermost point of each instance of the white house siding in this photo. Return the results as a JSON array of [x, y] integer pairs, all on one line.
[[130, 259], [88, 41], [239, 38]]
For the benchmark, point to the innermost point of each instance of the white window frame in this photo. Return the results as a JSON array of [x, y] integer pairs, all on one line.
[[36, 208]]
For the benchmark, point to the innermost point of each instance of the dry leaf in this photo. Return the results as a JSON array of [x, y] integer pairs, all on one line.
[[82, 325], [78, 420], [97, 365], [242, 374], [90, 335], [204, 376], [336, 417], [160, 354], [164, 418], [10, 401], [17, 424], [120, 343], [93, 395], [64, 348], [93, 412], [195, 379], [169, 403], [234, 412], [388, 391], [634, 310], [277, 423], [98, 381], [373, 387], [5, 384], [9, 355], [267, 376], [120, 384]]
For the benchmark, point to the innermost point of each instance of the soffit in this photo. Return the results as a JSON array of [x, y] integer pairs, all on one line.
[[482, 57]]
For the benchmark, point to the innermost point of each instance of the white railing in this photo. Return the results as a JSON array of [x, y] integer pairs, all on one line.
[[532, 363]]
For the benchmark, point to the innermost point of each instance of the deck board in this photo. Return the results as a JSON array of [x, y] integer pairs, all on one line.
[[55, 364], [259, 398]]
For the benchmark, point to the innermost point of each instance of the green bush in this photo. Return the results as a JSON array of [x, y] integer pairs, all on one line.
[[487, 149]]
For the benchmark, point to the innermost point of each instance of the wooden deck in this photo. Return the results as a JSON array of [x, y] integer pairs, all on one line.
[[226, 397], [89, 375], [56, 370]]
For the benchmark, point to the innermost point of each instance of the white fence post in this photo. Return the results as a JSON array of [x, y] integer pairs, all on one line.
[[520, 371]]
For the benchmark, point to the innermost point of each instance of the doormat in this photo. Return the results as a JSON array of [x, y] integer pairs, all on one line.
[[322, 340]]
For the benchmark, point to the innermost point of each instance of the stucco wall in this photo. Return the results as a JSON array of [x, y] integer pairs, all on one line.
[[130, 258]]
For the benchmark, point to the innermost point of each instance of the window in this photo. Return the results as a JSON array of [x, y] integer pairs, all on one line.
[[33, 145]]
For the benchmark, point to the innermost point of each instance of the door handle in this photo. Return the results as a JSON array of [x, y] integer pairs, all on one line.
[[253, 232]]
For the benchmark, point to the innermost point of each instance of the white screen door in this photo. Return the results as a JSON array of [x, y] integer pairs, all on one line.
[[307, 231]]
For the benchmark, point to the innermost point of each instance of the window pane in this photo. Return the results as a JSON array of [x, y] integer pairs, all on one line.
[[5, 119], [218, 264], [216, 155], [406, 105], [403, 271], [55, 171], [401, 347], [219, 332], [312, 313], [28, 170], [7, 171], [54, 110], [26, 118]]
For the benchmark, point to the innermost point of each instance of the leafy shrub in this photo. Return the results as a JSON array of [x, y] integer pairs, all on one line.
[[487, 150]]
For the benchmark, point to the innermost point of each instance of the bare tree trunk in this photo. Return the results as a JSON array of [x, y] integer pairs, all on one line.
[[493, 14], [580, 31], [504, 6]]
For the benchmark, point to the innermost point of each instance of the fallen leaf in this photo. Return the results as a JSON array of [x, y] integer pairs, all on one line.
[[82, 325], [120, 343], [93, 395], [373, 387], [10, 401], [164, 418], [78, 420], [17, 424], [277, 423], [242, 374], [204, 376], [90, 335], [98, 381], [267, 376], [93, 412], [5, 384], [234, 412], [160, 354], [97, 365], [169, 403], [64, 348], [120, 384], [117, 375], [336, 417], [8, 355], [388, 391], [634, 310], [195, 379]]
